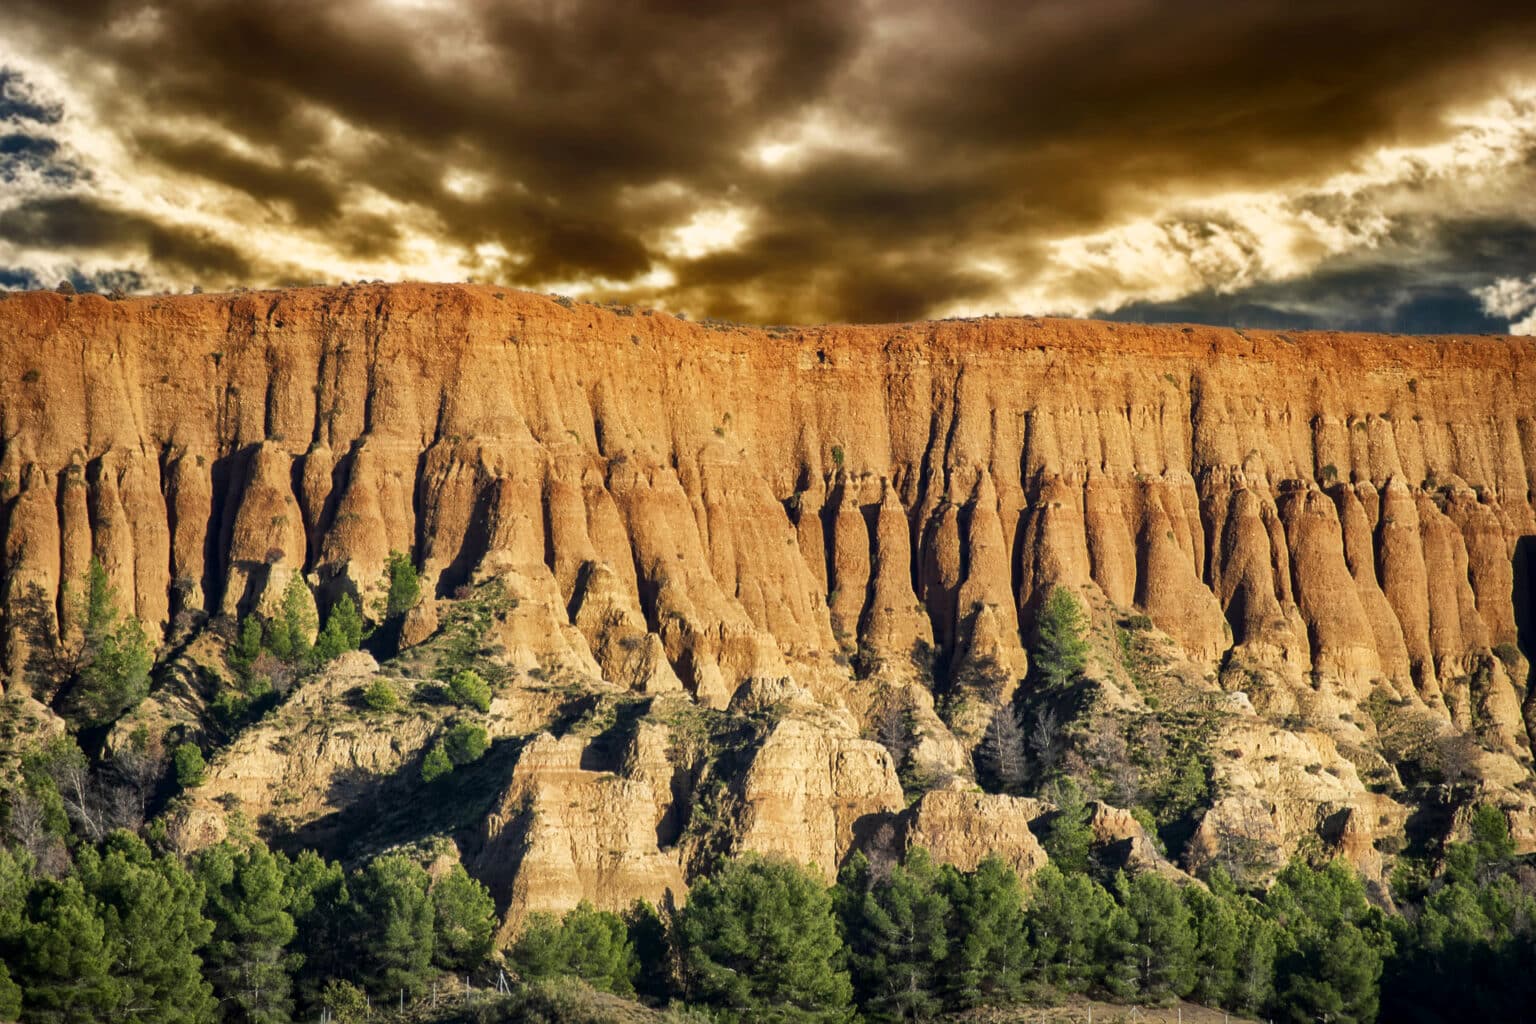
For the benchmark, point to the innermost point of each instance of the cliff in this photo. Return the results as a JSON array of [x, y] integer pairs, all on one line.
[[1314, 521]]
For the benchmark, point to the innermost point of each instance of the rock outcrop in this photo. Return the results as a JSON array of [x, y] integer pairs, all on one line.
[[561, 834], [964, 827]]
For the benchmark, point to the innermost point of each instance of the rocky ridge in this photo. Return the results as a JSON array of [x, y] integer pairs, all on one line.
[[1321, 537]]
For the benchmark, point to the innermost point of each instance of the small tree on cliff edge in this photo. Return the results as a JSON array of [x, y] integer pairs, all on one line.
[[114, 660], [404, 585], [1061, 647]]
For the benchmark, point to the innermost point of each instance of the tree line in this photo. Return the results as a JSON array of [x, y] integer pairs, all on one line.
[[123, 928], [235, 932], [763, 939]]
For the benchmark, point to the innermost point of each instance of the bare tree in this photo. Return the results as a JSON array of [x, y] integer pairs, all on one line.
[[882, 851], [893, 729], [1045, 742], [26, 826], [1002, 748], [1109, 756], [1458, 755], [82, 795], [136, 769]]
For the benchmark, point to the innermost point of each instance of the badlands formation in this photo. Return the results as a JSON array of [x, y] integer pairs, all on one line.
[[770, 589]]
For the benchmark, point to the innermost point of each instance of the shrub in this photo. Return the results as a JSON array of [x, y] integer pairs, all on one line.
[[466, 742], [380, 696], [467, 690], [345, 1002], [436, 764], [191, 769]]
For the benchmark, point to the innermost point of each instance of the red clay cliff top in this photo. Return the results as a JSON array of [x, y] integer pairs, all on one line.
[[41, 311]]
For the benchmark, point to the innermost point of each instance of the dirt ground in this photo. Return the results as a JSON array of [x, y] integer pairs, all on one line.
[[1089, 1012]]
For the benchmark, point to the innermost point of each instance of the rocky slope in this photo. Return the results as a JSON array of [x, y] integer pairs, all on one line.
[[1319, 543]]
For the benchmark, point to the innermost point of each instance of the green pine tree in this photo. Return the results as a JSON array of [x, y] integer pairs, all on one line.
[[321, 905], [343, 631], [759, 942], [1218, 933], [599, 949], [897, 930], [66, 966], [249, 959], [10, 995], [247, 647], [1069, 838], [393, 916], [1060, 650], [436, 764], [1331, 944], [289, 632], [47, 771], [464, 919], [1333, 976], [404, 585], [466, 742], [655, 980], [191, 768], [1067, 919], [988, 944], [1164, 941], [15, 888], [100, 610], [586, 943], [114, 660], [1253, 985], [1490, 836], [152, 912]]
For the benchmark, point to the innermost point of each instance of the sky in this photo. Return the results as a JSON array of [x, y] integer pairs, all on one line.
[[1356, 164]]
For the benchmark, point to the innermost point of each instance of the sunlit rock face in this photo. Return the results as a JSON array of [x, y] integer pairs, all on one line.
[[740, 518]]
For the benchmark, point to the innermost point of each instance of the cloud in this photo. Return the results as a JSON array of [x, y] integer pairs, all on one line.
[[19, 102], [807, 160], [71, 223], [1508, 296], [1513, 299]]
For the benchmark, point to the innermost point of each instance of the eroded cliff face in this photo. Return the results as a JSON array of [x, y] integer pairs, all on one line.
[[829, 513]]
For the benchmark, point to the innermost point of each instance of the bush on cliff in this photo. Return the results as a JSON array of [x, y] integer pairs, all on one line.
[[467, 690]]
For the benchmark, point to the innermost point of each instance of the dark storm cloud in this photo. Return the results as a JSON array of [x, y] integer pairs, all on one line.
[[569, 108], [593, 127], [77, 224], [18, 102], [1429, 294], [23, 155], [310, 198], [121, 280]]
